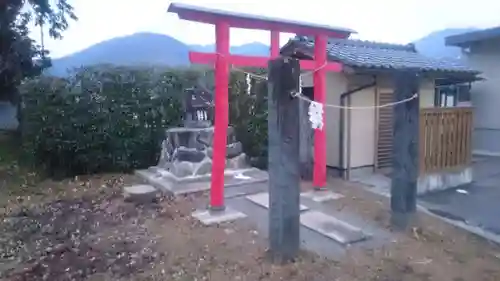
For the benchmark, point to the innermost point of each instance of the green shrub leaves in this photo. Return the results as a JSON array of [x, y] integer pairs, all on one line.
[[110, 119]]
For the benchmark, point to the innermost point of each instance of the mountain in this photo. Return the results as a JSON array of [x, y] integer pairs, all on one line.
[[433, 45], [142, 49], [158, 49], [249, 49], [136, 49]]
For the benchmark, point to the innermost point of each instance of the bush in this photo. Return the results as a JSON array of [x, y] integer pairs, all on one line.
[[248, 116], [98, 121], [107, 119], [247, 113]]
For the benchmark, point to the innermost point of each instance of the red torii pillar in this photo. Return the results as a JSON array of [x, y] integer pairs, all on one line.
[[223, 59]]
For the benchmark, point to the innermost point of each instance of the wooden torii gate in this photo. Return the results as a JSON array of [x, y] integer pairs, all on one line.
[[222, 58]]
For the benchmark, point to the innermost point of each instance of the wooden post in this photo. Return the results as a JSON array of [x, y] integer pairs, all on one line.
[[405, 149], [284, 176], [306, 138]]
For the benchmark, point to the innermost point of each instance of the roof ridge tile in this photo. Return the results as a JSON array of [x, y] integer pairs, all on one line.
[[359, 53]]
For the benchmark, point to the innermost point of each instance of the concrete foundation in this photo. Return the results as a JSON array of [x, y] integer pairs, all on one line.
[[208, 217], [443, 180], [426, 183], [168, 183]]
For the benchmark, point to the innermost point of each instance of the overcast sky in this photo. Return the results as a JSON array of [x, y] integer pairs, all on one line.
[[397, 21]]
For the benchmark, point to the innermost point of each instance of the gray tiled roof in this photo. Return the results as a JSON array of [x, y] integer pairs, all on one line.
[[365, 54], [473, 36]]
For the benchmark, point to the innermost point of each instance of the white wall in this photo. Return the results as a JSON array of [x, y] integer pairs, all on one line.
[[336, 84], [362, 122], [485, 95]]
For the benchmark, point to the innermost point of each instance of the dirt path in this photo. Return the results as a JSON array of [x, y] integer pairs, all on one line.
[[90, 233]]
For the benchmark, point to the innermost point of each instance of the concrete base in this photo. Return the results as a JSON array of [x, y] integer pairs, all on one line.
[[331, 227], [356, 172], [486, 153], [208, 217], [381, 184], [168, 183], [443, 180], [321, 195], [262, 199]]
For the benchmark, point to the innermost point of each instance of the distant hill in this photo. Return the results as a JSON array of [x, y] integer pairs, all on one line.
[[249, 49], [433, 44], [158, 49], [142, 49], [136, 49]]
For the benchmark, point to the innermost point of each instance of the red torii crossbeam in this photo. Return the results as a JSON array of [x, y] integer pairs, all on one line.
[[223, 21]]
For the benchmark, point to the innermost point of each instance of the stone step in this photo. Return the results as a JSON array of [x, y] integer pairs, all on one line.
[[331, 227], [141, 193], [262, 199]]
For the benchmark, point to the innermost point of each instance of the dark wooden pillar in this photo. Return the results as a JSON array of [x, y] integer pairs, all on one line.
[[405, 149], [284, 175], [306, 137]]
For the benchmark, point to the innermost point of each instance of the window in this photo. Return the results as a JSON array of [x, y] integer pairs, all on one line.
[[451, 95], [464, 93]]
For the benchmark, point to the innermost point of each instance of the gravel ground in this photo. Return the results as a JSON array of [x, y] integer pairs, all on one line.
[[83, 230]]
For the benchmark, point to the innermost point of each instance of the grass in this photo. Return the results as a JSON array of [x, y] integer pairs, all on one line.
[[17, 178], [9, 149]]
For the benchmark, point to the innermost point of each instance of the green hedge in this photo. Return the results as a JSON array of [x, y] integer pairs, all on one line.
[[104, 119], [248, 116]]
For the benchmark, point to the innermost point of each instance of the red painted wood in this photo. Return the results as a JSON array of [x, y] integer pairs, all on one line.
[[275, 44], [223, 21], [221, 115], [250, 61], [319, 81], [253, 24], [248, 21]]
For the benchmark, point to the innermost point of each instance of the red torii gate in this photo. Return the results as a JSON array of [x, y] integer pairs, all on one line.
[[223, 20]]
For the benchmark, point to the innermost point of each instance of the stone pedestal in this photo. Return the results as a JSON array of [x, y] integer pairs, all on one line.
[[185, 163]]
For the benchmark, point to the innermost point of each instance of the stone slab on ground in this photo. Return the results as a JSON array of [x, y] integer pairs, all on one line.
[[208, 217], [336, 229], [321, 195], [142, 193], [311, 239], [244, 190], [262, 199], [175, 186]]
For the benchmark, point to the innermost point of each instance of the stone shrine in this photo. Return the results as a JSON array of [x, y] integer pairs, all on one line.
[[185, 163], [187, 151]]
